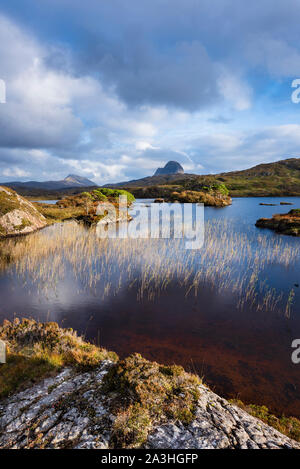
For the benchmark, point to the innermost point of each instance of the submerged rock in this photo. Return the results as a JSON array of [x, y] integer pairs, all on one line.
[[18, 216]]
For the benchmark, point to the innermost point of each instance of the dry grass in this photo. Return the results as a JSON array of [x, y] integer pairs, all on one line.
[[56, 214], [140, 393], [226, 263], [229, 262], [147, 393], [37, 350]]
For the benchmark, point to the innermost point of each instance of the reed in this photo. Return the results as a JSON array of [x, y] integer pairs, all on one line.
[[230, 262]]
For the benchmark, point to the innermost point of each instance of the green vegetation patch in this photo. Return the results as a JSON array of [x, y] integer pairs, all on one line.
[[105, 193], [144, 393], [25, 223]]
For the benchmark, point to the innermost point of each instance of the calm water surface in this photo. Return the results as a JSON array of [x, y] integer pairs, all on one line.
[[229, 311]]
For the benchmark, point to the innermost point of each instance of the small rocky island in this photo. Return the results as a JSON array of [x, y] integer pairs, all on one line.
[[87, 204], [210, 194], [58, 391], [288, 224], [213, 199], [18, 216]]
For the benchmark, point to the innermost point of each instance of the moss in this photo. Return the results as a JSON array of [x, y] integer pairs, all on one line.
[[289, 426], [147, 393], [105, 193], [25, 223], [294, 212], [97, 194]]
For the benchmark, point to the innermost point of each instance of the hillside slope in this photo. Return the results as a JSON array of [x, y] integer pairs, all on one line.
[[271, 179], [281, 178]]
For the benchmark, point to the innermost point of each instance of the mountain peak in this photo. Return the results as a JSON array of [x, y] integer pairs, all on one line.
[[78, 180], [172, 167]]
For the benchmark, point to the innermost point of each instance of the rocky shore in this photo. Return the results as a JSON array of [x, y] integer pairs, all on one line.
[[89, 398]]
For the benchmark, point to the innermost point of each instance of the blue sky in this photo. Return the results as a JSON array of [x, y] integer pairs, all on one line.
[[111, 89]]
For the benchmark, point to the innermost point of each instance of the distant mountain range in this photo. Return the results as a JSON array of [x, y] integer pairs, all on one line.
[[70, 181], [281, 178]]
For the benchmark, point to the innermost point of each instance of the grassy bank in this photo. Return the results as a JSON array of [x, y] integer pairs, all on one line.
[[56, 214]]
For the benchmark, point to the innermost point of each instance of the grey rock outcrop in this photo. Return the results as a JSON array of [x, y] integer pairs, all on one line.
[[18, 216], [172, 167], [219, 425], [71, 411]]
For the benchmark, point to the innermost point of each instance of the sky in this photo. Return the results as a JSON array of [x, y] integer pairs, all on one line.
[[111, 90]]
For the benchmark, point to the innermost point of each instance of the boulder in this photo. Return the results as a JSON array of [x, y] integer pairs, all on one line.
[[18, 216]]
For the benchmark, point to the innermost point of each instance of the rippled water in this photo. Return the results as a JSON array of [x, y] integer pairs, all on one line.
[[229, 310]]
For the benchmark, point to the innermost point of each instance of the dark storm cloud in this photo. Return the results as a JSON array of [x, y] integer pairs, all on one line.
[[182, 77], [92, 83], [166, 52]]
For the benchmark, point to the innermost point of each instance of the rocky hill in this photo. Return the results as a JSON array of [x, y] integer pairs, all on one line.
[[281, 178], [172, 167], [17, 215], [56, 391]]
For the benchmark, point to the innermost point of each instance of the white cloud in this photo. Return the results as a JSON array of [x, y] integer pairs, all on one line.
[[235, 91], [15, 172]]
